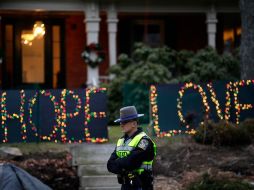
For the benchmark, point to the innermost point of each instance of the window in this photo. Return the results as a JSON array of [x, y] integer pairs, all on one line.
[[150, 32], [231, 38]]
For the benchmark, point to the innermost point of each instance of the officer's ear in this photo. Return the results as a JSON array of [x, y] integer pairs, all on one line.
[[135, 123]]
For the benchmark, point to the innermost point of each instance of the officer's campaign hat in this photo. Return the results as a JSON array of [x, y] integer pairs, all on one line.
[[128, 113]]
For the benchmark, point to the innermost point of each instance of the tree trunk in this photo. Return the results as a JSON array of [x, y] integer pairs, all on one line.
[[247, 39]]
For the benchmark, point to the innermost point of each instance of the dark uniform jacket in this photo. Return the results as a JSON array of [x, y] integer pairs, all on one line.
[[121, 166]]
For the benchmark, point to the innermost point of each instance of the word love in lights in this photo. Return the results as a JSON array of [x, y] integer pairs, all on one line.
[[25, 116], [232, 101]]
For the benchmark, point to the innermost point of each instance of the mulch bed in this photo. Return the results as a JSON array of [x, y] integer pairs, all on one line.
[[52, 168]]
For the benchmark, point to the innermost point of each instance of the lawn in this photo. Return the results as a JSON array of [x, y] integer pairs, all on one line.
[[114, 134], [27, 148]]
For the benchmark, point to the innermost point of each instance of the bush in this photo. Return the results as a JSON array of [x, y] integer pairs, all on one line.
[[207, 65], [204, 133], [248, 126], [209, 183], [222, 133], [146, 66]]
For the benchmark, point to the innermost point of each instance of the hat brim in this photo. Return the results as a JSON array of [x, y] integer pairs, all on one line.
[[129, 118]]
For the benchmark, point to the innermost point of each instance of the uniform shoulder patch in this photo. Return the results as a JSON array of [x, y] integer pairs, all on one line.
[[143, 144]]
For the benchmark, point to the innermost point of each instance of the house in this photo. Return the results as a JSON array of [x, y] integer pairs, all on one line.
[[41, 41]]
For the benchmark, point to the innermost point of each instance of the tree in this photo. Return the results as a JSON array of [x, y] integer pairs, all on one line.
[[247, 41]]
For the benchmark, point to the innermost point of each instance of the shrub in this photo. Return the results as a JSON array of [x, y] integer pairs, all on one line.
[[204, 133], [209, 183], [145, 66], [148, 65], [222, 133], [207, 65], [248, 126]]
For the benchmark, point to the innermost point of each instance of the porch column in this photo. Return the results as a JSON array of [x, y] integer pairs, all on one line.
[[92, 21], [211, 21], [112, 30]]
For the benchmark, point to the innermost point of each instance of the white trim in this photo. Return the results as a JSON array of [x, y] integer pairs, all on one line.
[[92, 22], [166, 6], [211, 21], [112, 31], [172, 9], [158, 6], [43, 5]]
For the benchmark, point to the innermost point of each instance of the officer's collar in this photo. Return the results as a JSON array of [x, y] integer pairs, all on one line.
[[139, 130]]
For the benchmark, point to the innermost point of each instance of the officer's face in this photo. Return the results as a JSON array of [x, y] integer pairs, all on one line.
[[128, 126]]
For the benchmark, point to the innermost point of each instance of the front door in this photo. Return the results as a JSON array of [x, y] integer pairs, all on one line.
[[30, 51], [37, 54]]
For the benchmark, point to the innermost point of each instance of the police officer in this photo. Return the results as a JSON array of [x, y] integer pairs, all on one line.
[[132, 159]]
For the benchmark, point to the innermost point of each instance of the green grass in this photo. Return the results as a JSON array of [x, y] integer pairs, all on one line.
[[115, 133], [27, 148]]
